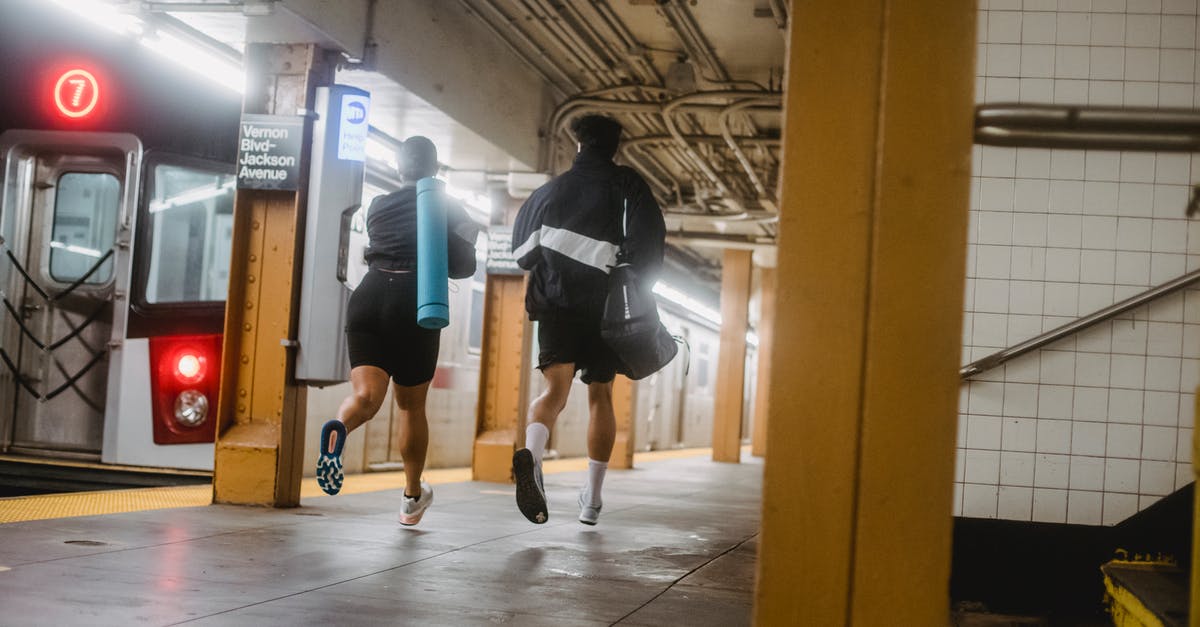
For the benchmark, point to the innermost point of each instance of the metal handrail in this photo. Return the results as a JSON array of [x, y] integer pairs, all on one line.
[[1082, 127], [1075, 326]]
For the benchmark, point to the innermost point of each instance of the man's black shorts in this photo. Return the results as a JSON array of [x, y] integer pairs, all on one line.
[[575, 339], [382, 330]]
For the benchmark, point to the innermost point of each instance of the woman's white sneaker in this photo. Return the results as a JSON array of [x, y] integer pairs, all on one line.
[[412, 509]]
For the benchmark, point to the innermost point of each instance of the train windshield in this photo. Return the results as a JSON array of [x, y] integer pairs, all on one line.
[[190, 212]]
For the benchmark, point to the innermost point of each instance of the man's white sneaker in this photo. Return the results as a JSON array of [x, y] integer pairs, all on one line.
[[588, 513], [412, 509]]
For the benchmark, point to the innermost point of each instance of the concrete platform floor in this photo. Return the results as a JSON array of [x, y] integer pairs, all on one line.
[[676, 544]]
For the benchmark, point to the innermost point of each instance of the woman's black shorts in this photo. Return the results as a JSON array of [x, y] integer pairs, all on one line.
[[382, 330]]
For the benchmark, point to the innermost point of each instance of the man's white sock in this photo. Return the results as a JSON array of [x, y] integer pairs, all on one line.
[[595, 481], [536, 436]]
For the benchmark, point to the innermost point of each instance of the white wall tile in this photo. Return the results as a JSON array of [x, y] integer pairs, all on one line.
[[1161, 408], [1092, 369], [1137, 167], [1118, 507], [1187, 409], [1165, 339], [1105, 93], [1074, 29], [979, 501], [1062, 264], [1108, 6], [1084, 508], [1029, 229], [1183, 475], [1162, 373], [1038, 62], [1134, 199], [1093, 297], [1019, 400], [1054, 436], [1143, 30], [997, 161], [1020, 434], [1099, 232], [1004, 60], [983, 432], [1022, 327], [1132, 268], [1054, 402], [1183, 447], [1141, 64], [1170, 201], [1004, 27], [1121, 475], [1033, 163], [1134, 234], [958, 497], [1167, 308], [1183, 7], [1173, 168], [991, 296], [1178, 31], [1087, 473], [1025, 297], [1062, 299], [1065, 231], [1051, 471], [1088, 439], [1038, 28], [1016, 468], [986, 398], [1097, 339], [996, 195], [1166, 267], [1145, 501], [1024, 369], [1157, 478], [994, 262], [1015, 503], [1100, 197], [1175, 95], [1090, 404], [1075, 6], [1124, 441], [1028, 263], [1049, 505], [1108, 30], [1177, 65], [1140, 94], [990, 330], [1169, 236], [1069, 91], [1067, 165], [1129, 338], [1058, 367], [1098, 266], [995, 227], [981, 466], [1158, 443], [1191, 339], [1125, 406], [1107, 63]]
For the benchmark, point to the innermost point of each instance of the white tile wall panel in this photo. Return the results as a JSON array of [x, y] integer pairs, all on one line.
[[1097, 426]]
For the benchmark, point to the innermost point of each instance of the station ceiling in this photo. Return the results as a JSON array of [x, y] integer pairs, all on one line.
[[696, 83]]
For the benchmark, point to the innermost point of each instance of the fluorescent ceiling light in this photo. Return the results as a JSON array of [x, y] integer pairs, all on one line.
[[692, 305], [186, 53]]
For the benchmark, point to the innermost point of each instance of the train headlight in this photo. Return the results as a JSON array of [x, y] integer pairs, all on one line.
[[191, 408]]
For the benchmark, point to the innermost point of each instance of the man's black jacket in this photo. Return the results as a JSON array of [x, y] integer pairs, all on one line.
[[568, 232]]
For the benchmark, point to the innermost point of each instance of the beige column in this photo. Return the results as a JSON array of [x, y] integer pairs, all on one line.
[[877, 142], [729, 397]]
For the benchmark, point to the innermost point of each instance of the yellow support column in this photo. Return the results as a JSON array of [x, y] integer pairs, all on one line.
[[500, 413], [260, 436], [730, 396], [625, 408], [766, 341], [878, 131]]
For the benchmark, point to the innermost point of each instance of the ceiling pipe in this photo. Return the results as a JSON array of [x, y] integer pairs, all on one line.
[[528, 42], [723, 124]]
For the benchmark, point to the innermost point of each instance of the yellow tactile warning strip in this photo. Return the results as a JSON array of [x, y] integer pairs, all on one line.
[[67, 505]]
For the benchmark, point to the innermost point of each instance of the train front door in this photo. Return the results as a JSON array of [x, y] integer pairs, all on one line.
[[65, 220]]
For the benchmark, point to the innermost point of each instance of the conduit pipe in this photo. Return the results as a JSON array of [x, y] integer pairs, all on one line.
[[723, 124]]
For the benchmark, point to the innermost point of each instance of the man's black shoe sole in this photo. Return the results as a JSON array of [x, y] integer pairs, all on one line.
[[530, 500]]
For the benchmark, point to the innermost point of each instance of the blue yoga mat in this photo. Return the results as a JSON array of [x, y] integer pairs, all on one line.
[[433, 301]]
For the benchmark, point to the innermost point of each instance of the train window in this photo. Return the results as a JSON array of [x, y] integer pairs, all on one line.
[[85, 226], [190, 215], [475, 333]]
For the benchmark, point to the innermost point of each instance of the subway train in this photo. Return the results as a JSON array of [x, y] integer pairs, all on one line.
[[116, 222]]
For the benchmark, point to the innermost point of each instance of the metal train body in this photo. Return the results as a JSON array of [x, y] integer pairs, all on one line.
[[116, 219]]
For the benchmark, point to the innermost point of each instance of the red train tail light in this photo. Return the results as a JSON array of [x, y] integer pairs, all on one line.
[[184, 382]]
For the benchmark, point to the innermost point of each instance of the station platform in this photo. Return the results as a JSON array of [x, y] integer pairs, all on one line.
[[676, 543]]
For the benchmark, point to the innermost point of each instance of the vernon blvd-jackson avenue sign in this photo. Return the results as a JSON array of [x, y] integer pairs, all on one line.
[[269, 151]]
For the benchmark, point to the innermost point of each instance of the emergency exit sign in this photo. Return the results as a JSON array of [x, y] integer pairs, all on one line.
[[269, 151]]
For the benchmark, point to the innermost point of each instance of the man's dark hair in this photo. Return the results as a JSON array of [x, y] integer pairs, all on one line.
[[418, 158], [597, 133]]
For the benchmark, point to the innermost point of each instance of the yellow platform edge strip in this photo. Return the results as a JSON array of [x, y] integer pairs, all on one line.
[[1126, 609], [71, 504]]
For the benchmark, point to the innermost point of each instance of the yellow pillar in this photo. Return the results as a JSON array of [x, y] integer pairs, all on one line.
[[729, 397], [766, 341], [500, 413], [260, 435], [877, 138], [625, 408]]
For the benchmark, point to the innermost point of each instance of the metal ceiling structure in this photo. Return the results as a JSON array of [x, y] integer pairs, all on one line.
[[697, 84]]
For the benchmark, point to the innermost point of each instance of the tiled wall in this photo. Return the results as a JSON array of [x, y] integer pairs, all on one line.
[[1096, 427]]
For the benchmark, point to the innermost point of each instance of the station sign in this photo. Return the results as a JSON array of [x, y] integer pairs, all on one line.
[[500, 259], [269, 151]]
